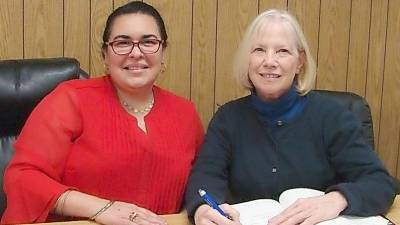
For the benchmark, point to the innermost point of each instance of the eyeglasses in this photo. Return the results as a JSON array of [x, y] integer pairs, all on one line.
[[146, 46]]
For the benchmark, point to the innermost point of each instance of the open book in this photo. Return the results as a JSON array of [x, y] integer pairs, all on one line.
[[258, 212]]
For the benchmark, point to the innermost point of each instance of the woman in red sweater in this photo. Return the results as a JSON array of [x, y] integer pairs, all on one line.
[[115, 149]]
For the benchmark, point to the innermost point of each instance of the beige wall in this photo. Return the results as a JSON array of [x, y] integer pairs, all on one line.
[[355, 42]]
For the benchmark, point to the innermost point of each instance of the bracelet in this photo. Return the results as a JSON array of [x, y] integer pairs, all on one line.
[[59, 209], [108, 205], [63, 202]]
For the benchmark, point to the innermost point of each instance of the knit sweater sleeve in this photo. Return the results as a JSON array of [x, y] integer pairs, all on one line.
[[365, 183], [32, 179], [210, 172]]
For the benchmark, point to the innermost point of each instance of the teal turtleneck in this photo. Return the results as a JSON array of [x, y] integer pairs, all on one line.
[[282, 110]]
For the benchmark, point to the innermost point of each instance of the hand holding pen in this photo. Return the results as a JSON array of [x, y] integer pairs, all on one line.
[[206, 215], [211, 202]]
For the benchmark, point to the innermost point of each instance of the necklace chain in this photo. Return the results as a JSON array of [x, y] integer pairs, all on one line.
[[146, 109]]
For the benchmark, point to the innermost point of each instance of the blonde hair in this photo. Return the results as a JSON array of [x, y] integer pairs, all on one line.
[[305, 79]]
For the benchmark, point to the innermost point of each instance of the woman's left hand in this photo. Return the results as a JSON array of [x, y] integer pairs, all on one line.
[[309, 211]]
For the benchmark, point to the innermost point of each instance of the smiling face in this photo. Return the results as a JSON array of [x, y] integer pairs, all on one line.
[[134, 71], [274, 61]]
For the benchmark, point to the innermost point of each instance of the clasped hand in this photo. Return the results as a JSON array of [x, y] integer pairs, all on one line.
[[122, 213], [310, 211]]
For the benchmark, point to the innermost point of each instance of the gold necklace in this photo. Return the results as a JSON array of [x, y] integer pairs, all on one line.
[[146, 109]]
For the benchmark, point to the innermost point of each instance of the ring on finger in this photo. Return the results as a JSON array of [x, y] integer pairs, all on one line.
[[132, 216]]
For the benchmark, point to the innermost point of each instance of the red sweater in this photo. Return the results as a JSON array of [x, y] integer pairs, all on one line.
[[80, 137]]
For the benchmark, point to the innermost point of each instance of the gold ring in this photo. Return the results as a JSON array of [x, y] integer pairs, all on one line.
[[132, 216]]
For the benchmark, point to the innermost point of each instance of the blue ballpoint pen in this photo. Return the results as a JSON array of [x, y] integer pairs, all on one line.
[[211, 202]]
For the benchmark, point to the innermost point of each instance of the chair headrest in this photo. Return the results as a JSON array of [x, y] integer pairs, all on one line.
[[24, 82]]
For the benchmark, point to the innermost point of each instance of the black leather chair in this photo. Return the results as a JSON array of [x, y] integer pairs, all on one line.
[[359, 106], [23, 83]]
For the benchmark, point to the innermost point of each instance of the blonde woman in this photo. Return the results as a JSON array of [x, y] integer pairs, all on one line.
[[284, 135]]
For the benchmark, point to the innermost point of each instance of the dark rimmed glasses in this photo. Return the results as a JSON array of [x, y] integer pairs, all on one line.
[[146, 46]]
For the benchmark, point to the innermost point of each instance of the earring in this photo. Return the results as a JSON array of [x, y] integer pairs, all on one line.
[[106, 69], [163, 67]]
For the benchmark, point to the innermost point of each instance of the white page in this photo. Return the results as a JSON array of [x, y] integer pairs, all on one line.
[[257, 212], [288, 197], [354, 220]]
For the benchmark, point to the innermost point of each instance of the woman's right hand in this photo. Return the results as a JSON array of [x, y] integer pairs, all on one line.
[[122, 213], [78, 204], [205, 215]]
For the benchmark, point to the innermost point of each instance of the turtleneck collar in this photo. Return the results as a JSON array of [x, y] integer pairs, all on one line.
[[285, 108]]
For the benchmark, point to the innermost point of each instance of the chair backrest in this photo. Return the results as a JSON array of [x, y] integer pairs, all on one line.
[[356, 104], [359, 106], [23, 83]]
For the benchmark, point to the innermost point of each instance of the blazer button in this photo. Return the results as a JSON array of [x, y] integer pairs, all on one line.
[[279, 123], [274, 169]]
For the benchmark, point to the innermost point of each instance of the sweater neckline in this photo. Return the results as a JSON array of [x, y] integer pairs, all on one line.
[[275, 108], [287, 107]]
